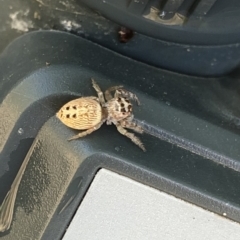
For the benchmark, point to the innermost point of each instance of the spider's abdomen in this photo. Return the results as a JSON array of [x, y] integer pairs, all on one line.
[[118, 109], [82, 113]]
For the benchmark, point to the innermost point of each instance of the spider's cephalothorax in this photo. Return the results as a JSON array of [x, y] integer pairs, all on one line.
[[118, 109], [89, 113]]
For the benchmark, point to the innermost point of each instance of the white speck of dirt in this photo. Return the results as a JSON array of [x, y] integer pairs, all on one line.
[[214, 62], [20, 131], [224, 214], [100, 26], [20, 22], [65, 3], [162, 14], [36, 15], [70, 25], [117, 149]]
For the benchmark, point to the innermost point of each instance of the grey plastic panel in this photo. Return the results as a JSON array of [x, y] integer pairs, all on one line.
[[116, 207]]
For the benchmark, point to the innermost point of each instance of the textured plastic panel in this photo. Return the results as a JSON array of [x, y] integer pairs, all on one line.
[[206, 45], [208, 22], [194, 153]]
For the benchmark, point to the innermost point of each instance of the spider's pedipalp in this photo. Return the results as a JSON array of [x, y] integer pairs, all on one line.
[[108, 94], [126, 94]]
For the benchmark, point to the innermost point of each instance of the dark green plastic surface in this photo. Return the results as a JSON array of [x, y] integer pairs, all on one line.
[[192, 152]]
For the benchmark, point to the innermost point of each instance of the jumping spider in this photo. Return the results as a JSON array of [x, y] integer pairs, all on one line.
[[89, 113]]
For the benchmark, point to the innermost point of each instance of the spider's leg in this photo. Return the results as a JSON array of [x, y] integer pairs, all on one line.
[[87, 132], [125, 123], [126, 94], [99, 92], [134, 139], [108, 94], [92, 97]]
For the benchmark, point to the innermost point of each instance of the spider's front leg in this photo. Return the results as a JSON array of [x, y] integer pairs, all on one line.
[[126, 94], [134, 139], [99, 92], [127, 123], [87, 132]]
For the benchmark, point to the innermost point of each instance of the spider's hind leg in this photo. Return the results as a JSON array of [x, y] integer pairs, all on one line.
[[86, 132]]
